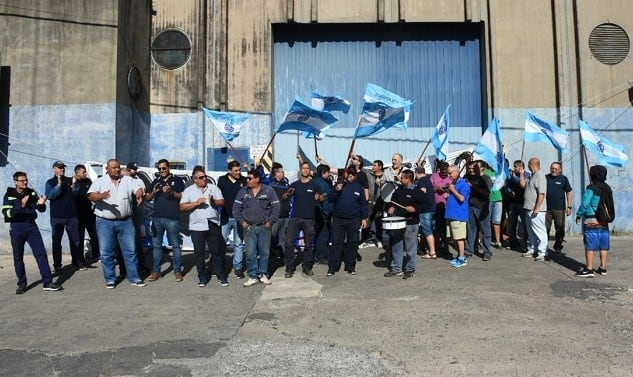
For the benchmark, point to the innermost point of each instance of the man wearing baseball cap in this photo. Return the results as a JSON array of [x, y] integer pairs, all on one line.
[[61, 191]]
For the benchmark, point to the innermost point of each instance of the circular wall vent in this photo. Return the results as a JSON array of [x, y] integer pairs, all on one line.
[[609, 43], [171, 49]]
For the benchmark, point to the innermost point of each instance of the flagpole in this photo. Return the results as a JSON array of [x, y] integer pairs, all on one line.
[[351, 147], [268, 145], [424, 151], [522, 149], [584, 151], [316, 152], [236, 154], [298, 149]]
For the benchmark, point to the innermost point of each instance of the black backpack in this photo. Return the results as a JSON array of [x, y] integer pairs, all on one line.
[[605, 213]]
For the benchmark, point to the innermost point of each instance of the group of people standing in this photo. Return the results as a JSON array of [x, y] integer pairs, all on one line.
[[260, 213]]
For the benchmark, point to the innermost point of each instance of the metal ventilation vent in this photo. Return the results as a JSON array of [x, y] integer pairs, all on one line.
[[609, 43], [171, 49]]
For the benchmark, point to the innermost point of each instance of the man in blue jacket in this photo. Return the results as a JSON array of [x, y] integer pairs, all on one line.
[[61, 192], [349, 216]]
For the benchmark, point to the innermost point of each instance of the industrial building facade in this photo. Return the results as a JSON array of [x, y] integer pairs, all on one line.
[[89, 80]]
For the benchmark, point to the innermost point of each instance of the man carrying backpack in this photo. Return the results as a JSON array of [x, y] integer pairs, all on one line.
[[596, 211]]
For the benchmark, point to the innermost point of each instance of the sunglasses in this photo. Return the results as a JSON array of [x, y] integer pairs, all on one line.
[[249, 178], [201, 177], [162, 168], [21, 180]]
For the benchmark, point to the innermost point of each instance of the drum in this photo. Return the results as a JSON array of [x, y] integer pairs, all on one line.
[[394, 223]]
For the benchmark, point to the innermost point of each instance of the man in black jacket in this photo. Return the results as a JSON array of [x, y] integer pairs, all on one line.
[[19, 208]]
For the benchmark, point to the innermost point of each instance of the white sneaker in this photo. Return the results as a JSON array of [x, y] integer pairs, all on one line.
[[528, 254], [264, 280], [363, 245], [250, 282], [379, 244]]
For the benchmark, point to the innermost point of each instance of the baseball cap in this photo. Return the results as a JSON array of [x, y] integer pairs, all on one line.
[[132, 165], [59, 164]]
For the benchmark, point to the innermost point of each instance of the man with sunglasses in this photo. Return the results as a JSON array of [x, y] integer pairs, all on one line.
[[61, 192], [256, 209], [202, 200], [166, 191], [19, 209]]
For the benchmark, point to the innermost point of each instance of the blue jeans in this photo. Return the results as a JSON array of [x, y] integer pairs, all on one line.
[[257, 243], [427, 222], [238, 241], [110, 232], [401, 240], [160, 226]]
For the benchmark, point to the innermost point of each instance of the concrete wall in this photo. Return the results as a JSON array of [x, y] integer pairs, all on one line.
[[69, 62]]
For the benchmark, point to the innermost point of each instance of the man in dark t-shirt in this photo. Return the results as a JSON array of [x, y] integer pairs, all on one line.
[[478, 209], [306, 196], [560, 198]]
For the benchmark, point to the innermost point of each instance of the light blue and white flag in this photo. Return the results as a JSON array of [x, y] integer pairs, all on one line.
[[228, 125], [608, 153], [537, 129], [440, 136], [490, 150], [304, 118], [330, 103], [382, 110]]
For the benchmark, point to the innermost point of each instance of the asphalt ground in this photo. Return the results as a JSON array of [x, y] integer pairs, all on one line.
[[510, 316]]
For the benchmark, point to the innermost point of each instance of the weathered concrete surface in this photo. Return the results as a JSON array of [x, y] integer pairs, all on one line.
[[509, 316]]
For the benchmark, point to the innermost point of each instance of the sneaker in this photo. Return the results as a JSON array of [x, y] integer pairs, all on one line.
[[57, 270], [20, 290], [153, 276], [454, 261], [289, 273], [202, 283], [224, 283], [52, 287], [527, 254], [239, 274], [359, 257], [460, 263], [265, 280], [250, 282], [601, 271], [486, 258], [308, 272], [178, 276], [584, 273], [351, 272], [408, 274], [540, 258], [379, 244], [138, 283], [82, 267], [330, 272], [110, 285], [363, 245], [390, 274]]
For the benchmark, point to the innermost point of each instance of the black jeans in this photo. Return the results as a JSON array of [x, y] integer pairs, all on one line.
[[344, 229], [211, 238], [323, 231], [307, 257]]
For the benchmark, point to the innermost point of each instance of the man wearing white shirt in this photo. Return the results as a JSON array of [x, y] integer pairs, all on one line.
[[201, 200], [113, 196]]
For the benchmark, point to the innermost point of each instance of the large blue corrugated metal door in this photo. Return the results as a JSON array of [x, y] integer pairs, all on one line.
[[431, 64]]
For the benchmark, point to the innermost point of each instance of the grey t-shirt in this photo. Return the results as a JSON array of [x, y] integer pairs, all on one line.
[[536, 185], [200, 216]]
